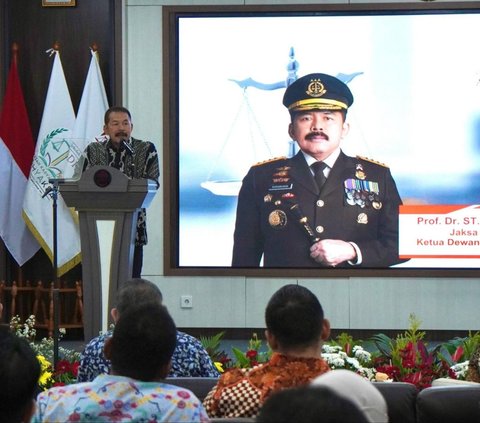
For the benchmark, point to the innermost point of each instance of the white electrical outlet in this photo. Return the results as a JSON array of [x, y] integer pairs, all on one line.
[[186, 301]]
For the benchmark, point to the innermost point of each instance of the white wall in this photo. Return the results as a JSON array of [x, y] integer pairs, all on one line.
[[238, 302]]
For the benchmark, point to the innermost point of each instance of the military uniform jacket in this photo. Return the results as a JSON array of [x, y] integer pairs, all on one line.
[[359, 203]]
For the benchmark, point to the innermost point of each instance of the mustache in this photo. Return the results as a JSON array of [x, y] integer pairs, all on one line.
[[121, 134], [316, 134]]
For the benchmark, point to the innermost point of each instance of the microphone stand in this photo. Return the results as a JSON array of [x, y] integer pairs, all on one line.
[[53, 192]]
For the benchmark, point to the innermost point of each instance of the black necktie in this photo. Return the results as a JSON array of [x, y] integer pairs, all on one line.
[[319, 176]]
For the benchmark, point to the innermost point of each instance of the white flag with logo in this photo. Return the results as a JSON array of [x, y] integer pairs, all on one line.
[[54, 155], [91, 111]]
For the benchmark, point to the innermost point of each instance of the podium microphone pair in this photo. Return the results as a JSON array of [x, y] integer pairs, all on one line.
[[129, 150], [127, 146]]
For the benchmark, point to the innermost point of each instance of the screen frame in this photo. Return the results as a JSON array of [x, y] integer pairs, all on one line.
[[171, 194]]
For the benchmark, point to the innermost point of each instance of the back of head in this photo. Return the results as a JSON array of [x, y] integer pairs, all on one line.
[[294, 315], [135, 292], [309, 404], [357, 389], [19, 373], [143, 342]]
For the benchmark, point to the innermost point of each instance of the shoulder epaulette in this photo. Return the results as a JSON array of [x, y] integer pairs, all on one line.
[[372, 161], [275, 159]]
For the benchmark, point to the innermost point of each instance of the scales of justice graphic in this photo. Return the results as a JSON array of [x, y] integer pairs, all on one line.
[[231, 187]]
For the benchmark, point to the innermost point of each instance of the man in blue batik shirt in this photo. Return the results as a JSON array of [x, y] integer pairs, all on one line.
[[190, 359]]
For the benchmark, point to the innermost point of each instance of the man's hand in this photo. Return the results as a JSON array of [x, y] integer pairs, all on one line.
[[331, 252]]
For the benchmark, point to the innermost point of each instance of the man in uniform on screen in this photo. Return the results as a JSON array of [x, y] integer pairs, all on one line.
[[345, 214]]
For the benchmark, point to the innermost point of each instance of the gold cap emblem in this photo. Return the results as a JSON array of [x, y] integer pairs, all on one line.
[[315, 88]]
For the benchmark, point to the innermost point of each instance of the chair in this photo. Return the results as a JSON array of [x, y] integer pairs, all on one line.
[[401, 400], [459, 404], [200, 386]]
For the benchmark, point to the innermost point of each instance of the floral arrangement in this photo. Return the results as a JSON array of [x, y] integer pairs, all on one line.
[[345, 353], [253, 356], [405, 358], [219, 357], [65, 371]]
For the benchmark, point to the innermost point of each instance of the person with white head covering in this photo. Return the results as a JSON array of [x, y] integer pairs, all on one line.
[[358, 390]]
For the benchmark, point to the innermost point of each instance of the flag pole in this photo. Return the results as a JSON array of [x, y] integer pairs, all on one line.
[[17, 267], [56, 286]]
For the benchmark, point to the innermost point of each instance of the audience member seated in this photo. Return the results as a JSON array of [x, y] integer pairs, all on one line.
[[309, 404], [296, 329], [19, 373], [189, 359], [357, 389], [140, 351]]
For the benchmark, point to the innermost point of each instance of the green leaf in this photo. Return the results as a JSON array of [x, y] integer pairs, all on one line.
[[242, 360], [384, 343], [212, 344]]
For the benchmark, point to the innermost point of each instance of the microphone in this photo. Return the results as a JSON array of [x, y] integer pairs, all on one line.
[[127, 146], [47, 191], [303, 220], [129, 149]]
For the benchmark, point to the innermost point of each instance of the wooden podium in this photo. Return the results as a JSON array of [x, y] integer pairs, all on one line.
[[107, 203]]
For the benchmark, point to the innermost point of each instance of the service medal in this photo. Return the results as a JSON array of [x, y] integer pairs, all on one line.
[[377, 205], [277, 219], [359, 172], [362, 218]]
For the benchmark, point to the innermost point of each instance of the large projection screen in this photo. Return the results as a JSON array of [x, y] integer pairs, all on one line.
[[414, 71]]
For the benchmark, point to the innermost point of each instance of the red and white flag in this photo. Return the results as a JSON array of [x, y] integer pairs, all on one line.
[[16, 153]]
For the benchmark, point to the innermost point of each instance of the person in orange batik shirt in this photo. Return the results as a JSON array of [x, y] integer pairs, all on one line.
[[296, 329]]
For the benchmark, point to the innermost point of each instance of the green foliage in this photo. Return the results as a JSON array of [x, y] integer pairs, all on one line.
[[212, 345]]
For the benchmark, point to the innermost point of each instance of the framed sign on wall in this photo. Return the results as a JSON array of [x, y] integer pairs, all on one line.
[[56, 3]]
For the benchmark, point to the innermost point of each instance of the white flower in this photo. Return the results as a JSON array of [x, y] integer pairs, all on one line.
[[367, 373], [334, 360], [460, 370], [353, 362], [331, 349], [361, 354]]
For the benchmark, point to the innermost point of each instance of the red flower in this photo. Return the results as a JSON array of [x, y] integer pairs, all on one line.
[[393, 372], [74, 368], [251, 354], [63, 366], [58, 384], [225, 361], [408, 363], [451, 374]]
